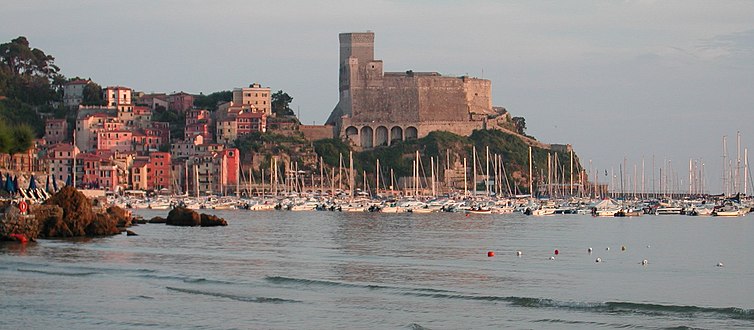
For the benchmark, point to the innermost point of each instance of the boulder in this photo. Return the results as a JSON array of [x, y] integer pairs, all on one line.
[[181, 216], [15, 226], [158, 220], [77, 214], [102, 224], [209, 220], [131, 233], [121, 216]]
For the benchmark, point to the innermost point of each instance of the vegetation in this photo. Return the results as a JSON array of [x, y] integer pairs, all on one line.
[[27, 74], [519, 123], [176, 120], [16, 139], [211, 101], [280, 104]]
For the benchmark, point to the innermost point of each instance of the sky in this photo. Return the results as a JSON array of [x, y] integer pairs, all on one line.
[[621, 81]]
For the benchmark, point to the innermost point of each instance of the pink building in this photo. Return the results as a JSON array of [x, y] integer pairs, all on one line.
[[116, 140], [158, 171], [99, 171], [60, 161], [56, 131], [198, 122], [180, 102]]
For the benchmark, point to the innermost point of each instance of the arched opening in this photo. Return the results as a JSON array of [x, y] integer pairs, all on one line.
[[352, 133], [411, 133], [396, 134], [367, 135], [380, 136]]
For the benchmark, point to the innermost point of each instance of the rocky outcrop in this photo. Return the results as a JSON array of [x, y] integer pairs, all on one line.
[[181, 216], [122, 217], [209, 220], [77, 217], [15, 226], [158, 220]]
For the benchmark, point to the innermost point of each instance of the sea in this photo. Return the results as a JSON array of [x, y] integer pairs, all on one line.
[[333, 270]]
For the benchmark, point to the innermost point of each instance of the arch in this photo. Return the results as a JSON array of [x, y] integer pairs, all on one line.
[[411, 133], [352, 134], [396, 134], [367, 137], [380, 136]]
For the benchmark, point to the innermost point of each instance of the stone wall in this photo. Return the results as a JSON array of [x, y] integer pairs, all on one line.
[[317, 132]]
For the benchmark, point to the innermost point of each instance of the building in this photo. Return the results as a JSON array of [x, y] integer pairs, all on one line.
[[255, 95], [90, 125], [115, 140], [376, 108], [159, 173], [60, 161], [56, 131], [73, 92], [153, 100], [198, 122], [235, 121], [185, 148], [180, 102], [213, 172], [119, 97], [99, 171]]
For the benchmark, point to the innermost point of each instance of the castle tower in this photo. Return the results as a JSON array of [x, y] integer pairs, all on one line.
[[356, 52]]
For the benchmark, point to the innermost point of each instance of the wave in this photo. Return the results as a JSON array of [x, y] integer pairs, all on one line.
[[57, 273], [291, 280], [186, 279], [234, 297], [606, 307]]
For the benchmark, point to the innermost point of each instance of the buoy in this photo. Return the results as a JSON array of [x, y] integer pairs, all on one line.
[[491, 254], [557, 252], [719, 264], [647, 246], [598, 260], [623, 248], [589, 250], [644, 262], [607, 248], [19, 237], [518, 253], [23, 207], [552, 258], [467, 214]]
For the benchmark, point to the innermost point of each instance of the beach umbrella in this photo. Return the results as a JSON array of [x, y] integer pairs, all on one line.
[[8, 183], [2, 183], [47, 185], [15, 184], [54, 184], [32, 182], [68, 181]]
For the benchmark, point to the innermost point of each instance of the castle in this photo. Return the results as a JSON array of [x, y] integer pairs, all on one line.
[[377, 108]]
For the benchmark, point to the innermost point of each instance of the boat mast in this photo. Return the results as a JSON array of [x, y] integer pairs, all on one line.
[[531, 176], [377, 178], [432, 161], [351, 182], [487, 171], [465, 183], [473, 165], [746, 171]]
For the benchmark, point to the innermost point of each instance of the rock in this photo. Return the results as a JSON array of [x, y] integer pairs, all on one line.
[[157, 220], [209, 220], [77, 214], [181, 216], [131, 233], [15, 226], [102, 225], [121, 216]]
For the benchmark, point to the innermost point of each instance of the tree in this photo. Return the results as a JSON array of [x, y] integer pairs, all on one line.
[[23, 138], [211, 101], [92, 94], [26, 72], [6, 140], [280, 104], [520, 124]]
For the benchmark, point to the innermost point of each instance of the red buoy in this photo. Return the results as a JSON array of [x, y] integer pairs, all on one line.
[[491, 254], [23, 207], [557, 252]]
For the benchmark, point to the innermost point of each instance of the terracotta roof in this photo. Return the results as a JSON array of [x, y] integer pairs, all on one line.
[[78, 82]]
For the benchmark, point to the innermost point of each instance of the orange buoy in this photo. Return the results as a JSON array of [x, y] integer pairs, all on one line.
[[491, 254], [19, 237], [557, 252]]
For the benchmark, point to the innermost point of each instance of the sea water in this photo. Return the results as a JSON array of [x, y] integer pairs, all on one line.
[[322, 270]]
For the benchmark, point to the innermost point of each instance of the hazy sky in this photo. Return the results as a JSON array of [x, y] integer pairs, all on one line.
[[616, 79]]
